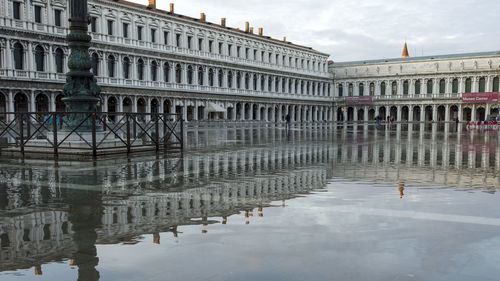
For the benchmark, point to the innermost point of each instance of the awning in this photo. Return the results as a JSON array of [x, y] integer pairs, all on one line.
[[213, 107]]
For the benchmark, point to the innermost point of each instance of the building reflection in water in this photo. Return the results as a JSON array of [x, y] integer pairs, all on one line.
[[54, 212]]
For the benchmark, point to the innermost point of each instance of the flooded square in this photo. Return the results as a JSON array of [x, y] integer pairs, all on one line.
[[322, 202]]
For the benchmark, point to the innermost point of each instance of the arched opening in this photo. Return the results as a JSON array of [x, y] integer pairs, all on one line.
[[200, 76], [178, 73], [247, 111], [229, 79], [211, 77], [454, 86], [167, 105], [154, 106], [340, 114], [254, 82], [140, 69], [111, 66], [141, 105], [18, 56], [351, 90], [442, 86], [230, 112], [441, 113], [21, 103], [495, 84], [350, 114], [154, 71], [60, 105], [166, 72], [417, 87], [361, 90], [59, 60], [269, 113], [494, 112], [467, 114], [262, 114], [480, 114], [190, 112], [468, 85], [42, 103], [406, 87], [405, 113], [429, 86], [3, 106], [394, 88], [416, 114], [127, 105], [394, 112], [361, 115], [95, 64], [276, 114], [371, 114], [382, 89], [255, 109], [372, 89], [238, 80], [382, 112], [453, 112], [482, 85], [247, 81], [201, 113], [238, 111], [126, 68], [190, 75], [39, 58], [112, 108], [428, 113], [341, 90]]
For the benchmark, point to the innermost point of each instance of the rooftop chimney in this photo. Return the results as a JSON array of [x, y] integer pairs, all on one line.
[[203, 17], [284, 38], [247, 27], [171, 7], [152, 4], [261, 31], [251, 30], [223, 22]]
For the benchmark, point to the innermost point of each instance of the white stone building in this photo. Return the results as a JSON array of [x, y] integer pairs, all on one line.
[[149, 60], [416, 89]]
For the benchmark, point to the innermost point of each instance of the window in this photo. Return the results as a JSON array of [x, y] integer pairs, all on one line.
[[154, 70], [229, 79], [230, 50], [350, 90], [166, 72], [262, 55], [110, 27], [190, 42], [200, 75], [454, 86], [238, 51], [59, 60], [95, 64], [125, 30], [372, 89], [165, 37], [93, 24], [111, 66], [16, 10], [382, 89], [200, 44], [341, 90], [394, 90], [247, 81], [178, 73], [220, 47], [247, 52], [126, 68], [254, 54], [442, 86], [38, 14], [482, 84], [221, 77], [153, 35], [210, 77], [39, 58], [361, 89], [495, 84], [429, 86], [190, 75], [178, 40], [140, 69], [238, 80], [468, 85], [57, 17], [210, 46], [139, 33]]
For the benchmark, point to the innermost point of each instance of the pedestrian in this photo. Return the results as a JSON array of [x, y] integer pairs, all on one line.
[[377, 119]]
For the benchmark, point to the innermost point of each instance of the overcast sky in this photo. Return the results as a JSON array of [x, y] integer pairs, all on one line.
[[362, 29]]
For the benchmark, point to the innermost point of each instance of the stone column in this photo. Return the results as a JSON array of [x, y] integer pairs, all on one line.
[[447, 113], [434, 113], [460, 112], [398, 118], [366, 114], [410, 113], [473, 114], [32, 102]]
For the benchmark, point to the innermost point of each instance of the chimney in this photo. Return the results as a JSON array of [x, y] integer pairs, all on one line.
[[152, 4], [284, 38], [223, 22], [261, 31], [251, 30], [247, 27], [203, 17], [172, 7]]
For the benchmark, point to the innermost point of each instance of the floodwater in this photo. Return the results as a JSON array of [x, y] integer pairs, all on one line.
[[415, 202]]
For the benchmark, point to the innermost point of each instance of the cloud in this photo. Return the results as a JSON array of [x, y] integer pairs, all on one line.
[[363, 29]]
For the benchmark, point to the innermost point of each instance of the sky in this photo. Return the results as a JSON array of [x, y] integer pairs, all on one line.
[[362, 29]]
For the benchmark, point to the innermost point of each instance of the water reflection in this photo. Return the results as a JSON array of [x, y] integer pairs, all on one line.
[[61, 211]]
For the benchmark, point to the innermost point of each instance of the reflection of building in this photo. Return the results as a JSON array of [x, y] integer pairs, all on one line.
[[176, 193], [148, 60], [416, 88]]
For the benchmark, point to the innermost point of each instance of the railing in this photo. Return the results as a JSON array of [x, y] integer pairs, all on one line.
[[93, 133], [408, 97]]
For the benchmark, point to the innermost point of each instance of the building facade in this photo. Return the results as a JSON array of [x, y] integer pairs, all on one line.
[[419, 89], [149, 60]]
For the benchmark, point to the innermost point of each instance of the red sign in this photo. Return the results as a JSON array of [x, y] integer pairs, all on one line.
[[480, 97], [358, 100]]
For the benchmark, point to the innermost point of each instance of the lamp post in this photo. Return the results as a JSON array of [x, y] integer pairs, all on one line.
[[81, 90]]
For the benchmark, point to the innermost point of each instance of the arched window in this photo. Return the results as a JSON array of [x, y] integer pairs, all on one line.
[[468, 85], [262, 83], [495, 84], [59, 60], [190, 75], [269, 84], [39, 58], [341, 90], [126, 68], [382, 89], [442, 86], [166, 72], [111, 66], [18, 55], [394, 88], [230, 79], [178, 73], [372, 89], [210, 77], [255, 82], [154, 71], [200, 75], [140, 69], [454, 86], [95, 64], [406, 87], [351, 90], [283, 85], [361, 89], [238, 80], [247, 81], [221, 77], [417, 87], [429, 86], [482, 84]]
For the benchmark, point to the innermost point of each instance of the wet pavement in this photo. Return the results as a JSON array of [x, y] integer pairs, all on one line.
[[410, 202]]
